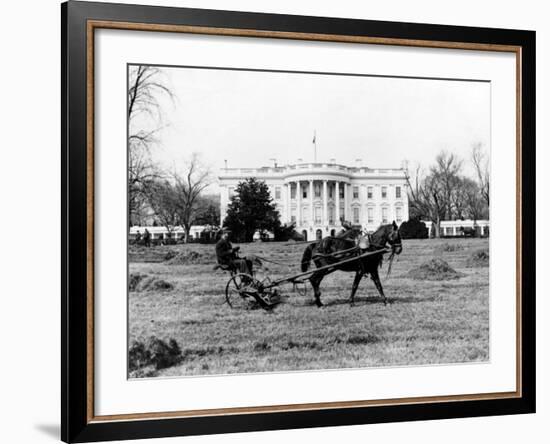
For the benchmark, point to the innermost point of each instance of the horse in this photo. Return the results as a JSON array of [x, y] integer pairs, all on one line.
[[331, 250]]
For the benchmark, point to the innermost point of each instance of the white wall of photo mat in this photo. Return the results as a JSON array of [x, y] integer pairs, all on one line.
[[115, 394]]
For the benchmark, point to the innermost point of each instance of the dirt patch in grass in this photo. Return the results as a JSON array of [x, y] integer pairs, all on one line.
[[363, 339], [140, 254], [479, 258], [170, 254], [262, 346], [190, 353], [311, 345], [144, 282], [434, 270], [191, 258], [145, 357], [450, 248]]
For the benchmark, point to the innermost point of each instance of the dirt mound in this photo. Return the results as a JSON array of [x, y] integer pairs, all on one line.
[[170, 254], [141, 254], [450, 248], [144, 357], [144, 282], [479, 258], [190, 258], [434, 270]]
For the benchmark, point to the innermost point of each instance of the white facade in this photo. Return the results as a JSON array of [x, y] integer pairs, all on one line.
[[161, 232], [452, 227], [317, 195]]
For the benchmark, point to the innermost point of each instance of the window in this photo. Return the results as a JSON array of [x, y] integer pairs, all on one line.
[[398, 192], [398, 214], [341, 191], [384, 215], [369, 193], [331, 215], [317, 215], [305, 215], [293, 192], [317, 188], [230, 192], [304, 192], [384, 192], [448, 231], [331, 191], [370, 215], [355, 215], [277, 193], [356, 192]]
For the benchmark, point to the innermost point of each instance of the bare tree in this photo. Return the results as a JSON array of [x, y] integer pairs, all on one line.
[[141, 173], [189, 187], [432, 195], [163, 199], [475, 204], [146, 84], [427, 197], [460, 199], [446, 172], [481, 164]]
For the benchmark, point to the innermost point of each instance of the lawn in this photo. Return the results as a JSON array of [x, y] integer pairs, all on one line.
[[427, 322]]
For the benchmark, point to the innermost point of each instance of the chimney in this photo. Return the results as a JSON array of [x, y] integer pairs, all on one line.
[[359, 162], [332, 160], [225, 160], [300, 160]]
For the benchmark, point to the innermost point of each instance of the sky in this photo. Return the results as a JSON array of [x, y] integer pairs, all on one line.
[[250, 117]]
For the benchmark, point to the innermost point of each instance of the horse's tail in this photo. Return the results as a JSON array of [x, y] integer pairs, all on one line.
[[306, 257]]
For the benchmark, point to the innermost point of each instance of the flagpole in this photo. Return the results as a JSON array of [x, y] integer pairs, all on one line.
[[315, 146]]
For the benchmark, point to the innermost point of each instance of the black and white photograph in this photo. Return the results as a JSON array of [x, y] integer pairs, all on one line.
[[284, 221]]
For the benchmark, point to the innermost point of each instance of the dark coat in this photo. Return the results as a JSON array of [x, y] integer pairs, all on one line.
[[224, 252]]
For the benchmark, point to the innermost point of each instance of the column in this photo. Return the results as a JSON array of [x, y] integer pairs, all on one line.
[[311, 213], [298, 204], [346, 215], [325, 204], [337, 196], [289, 202]]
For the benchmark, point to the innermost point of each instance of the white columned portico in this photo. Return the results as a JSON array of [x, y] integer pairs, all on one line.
[[325, 203], [311, 212], [298, 204], [337, 197], [328, 202]]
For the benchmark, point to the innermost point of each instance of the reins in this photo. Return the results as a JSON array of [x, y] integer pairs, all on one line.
[[372, 244], [318, 255]]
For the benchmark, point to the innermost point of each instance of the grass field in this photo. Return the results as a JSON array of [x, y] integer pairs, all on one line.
[[427, 322]]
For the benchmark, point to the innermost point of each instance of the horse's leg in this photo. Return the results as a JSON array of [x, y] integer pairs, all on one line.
[[356, 280], [376, 279], [315, 280]]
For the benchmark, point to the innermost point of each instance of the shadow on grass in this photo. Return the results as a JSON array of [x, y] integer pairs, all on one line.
[[371, 300]]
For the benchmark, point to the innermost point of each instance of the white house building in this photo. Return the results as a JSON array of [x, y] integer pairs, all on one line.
[[316, 195]]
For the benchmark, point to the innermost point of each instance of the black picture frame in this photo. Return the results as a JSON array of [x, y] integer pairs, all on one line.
[[77, 425]]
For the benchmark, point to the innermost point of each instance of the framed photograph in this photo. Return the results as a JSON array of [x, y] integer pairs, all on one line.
[[229, 179]]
